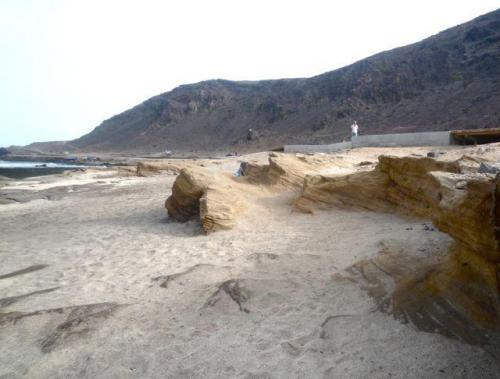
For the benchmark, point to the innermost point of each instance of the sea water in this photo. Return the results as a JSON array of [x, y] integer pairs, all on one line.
[[27, 164], [26, 169]]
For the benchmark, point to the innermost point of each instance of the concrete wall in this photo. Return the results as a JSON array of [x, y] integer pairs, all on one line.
[[317, 148], [378, 140], [403, 139]]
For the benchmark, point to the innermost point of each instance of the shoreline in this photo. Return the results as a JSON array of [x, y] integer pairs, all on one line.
[[26, 173]]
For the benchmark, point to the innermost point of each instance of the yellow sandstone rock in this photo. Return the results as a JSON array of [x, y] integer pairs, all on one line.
[[154, 166], [198, 193], [459, 201], [214, 198]]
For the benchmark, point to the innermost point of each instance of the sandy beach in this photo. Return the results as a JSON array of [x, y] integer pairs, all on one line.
[[96, 281]]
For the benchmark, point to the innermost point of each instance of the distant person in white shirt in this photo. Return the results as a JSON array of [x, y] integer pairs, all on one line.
[[354, 129]]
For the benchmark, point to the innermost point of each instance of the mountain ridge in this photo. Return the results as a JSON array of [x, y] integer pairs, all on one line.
[[450, 80]]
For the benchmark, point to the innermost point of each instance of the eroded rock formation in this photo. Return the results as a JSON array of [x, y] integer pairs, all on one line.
[[458, 199], [154, 166], [289, 170], [460, 202], [198, 193], [455, 293]]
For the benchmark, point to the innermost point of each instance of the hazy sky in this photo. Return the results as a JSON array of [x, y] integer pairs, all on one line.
[[65, 66]]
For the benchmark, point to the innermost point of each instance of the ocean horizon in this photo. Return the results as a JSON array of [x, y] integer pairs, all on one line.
[[28, 169], [36, 164]]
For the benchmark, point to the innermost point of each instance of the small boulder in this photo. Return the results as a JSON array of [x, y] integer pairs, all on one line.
[[198, 193]]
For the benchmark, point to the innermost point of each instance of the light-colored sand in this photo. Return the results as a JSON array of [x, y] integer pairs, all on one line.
[[109, 243]]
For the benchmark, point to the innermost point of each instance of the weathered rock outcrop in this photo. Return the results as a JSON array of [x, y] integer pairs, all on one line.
[[396, 182], [362, 189], [459, 201], [289, 170], [213, 198], [459, 295], [465, 208], [198, 193], [456, 294], [420, 186], [151, 167]]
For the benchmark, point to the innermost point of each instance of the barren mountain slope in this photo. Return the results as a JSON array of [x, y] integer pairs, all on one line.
[[448, 81]]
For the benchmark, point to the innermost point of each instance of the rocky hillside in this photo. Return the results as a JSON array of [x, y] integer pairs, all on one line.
[[448, 81]]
